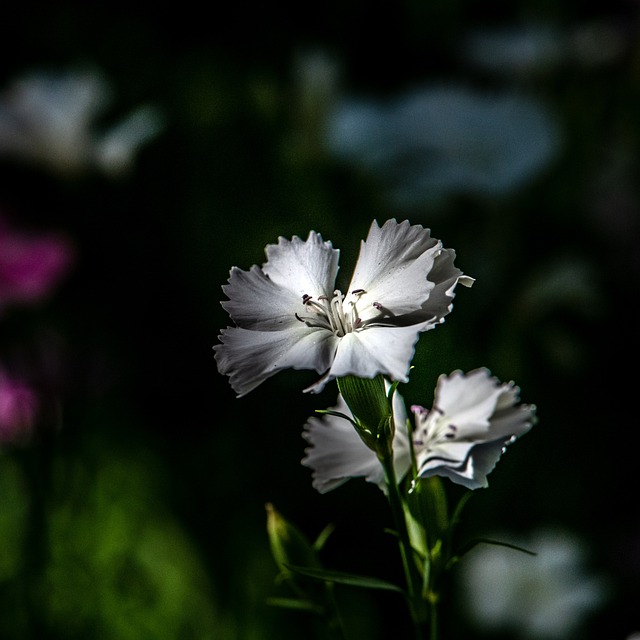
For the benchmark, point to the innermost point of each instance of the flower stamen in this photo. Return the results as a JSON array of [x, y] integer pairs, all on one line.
[[330, 313]]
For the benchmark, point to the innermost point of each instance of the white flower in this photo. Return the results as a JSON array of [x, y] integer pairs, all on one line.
[[337, 452], [548, 596], [462, 437], [288, 313], [473, 418], [49, 118]]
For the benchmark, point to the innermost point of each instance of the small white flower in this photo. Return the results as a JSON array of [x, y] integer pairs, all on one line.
[[288, 313], [337, 452], [473, 418]]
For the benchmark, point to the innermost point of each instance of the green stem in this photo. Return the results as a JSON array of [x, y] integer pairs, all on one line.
[[434, 621], [336, 623], [411, 572]]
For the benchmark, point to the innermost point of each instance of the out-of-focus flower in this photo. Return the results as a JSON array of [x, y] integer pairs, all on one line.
[[288, 313], [50, 119], [517, 50], [474, 417], [18, 410], [437, 141], [536, 48], [337, 452], [30, 265], [544, 597]]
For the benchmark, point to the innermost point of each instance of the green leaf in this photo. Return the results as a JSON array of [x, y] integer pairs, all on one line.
[[476, 541], [323, 536], [294, 603], [288, 544], [351, 579], [457, 513], [337, 414]]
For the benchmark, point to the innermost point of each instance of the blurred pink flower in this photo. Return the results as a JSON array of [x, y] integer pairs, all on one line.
[[30, 265], [18, 410]]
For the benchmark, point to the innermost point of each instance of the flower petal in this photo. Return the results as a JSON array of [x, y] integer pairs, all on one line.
[[256, 302], [337, 453], [452, 454], [303, 267], [249, 357], [392, 268], [481, 407], [483, 460], [385, 350], [467, 463]]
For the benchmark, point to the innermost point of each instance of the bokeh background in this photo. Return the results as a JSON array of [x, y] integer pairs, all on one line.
[[144, 151]]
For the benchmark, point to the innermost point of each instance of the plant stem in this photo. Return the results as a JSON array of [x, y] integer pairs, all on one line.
[[336, 623], [412, 574], [433, 621]]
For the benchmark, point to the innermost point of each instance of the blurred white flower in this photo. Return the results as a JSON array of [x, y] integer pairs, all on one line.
[[544, 597], [436, 141], [474, 417], [536, 47], [50, 119], [289, 315], [337, 452]]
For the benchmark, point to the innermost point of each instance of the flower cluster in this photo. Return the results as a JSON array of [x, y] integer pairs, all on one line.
[[288, 313]]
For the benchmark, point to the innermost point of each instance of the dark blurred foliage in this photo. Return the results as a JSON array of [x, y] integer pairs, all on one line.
[[138, 511]]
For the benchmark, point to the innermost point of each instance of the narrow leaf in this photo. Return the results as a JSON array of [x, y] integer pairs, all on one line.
[[337, 414], [323, 536], [340, 577], [476, 541], [293, 603]]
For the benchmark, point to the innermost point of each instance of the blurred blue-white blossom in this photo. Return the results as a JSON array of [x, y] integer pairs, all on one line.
[[436, 141]]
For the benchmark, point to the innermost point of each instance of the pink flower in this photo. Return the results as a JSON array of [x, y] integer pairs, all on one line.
[[18, 410], [30, 265]]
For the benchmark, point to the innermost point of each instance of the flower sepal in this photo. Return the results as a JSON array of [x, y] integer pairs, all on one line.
[[372, 411], [427, 504]]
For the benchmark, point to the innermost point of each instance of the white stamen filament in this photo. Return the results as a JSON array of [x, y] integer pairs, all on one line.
[[331, 314]]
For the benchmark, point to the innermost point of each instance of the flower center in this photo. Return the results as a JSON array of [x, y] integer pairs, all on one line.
[[433, 427], [331, 313]]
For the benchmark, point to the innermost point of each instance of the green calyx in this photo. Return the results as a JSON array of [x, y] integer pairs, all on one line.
[[371, 407]]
